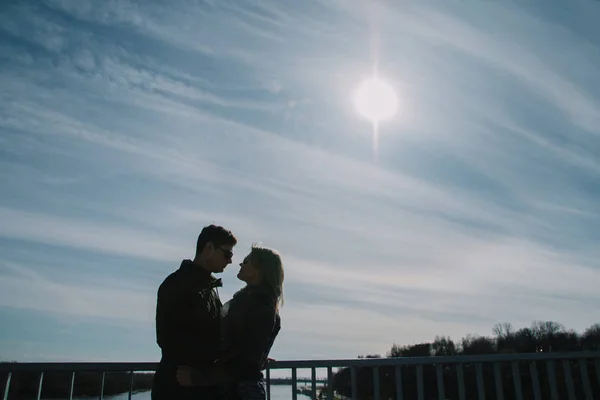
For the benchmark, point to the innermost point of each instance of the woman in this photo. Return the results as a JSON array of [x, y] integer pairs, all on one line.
[[250, 324]]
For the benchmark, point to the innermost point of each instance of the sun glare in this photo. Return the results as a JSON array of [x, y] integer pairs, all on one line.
[[375, 100]]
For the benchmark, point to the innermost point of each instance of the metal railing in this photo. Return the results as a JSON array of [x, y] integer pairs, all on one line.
[[444, 372], [73, 368], [456, 365]]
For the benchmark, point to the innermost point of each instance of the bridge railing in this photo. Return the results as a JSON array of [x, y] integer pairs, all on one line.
[[578, 371], [73, 368], [451, 371]]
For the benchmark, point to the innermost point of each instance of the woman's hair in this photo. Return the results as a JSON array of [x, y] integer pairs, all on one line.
[[269, 263]]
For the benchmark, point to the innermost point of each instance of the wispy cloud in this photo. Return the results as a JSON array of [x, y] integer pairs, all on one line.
[[126, 128], [47, 295]]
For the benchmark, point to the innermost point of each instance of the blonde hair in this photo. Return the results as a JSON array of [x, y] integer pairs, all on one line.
[[269, 263]]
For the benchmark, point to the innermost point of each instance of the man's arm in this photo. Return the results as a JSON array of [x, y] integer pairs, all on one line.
[[188, 377]]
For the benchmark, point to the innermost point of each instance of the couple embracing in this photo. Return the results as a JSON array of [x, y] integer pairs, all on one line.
[[212, 351]]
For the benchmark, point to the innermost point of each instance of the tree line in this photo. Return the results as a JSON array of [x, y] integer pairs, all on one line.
[[541, 336]]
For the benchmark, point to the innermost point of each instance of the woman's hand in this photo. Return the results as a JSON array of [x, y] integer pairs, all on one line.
[[184, 376], [267, 361]]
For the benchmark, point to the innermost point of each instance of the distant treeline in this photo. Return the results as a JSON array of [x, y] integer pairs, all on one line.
[[24, 385], [542, 336]]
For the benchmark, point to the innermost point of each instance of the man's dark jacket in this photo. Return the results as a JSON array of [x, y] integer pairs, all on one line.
[[187, 329]]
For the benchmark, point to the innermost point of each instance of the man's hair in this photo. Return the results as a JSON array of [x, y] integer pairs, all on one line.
[[218, 235]]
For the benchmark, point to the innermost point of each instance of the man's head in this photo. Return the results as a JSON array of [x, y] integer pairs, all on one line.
[[214, 248]]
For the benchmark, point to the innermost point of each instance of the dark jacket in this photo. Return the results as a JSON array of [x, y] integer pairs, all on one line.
[[250, 325], [188, 322]]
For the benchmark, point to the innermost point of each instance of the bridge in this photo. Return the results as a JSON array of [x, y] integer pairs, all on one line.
[[539, 376]]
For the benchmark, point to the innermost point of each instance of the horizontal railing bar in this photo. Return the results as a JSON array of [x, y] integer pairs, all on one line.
[[372, 362], [78, 367], [361, 362]]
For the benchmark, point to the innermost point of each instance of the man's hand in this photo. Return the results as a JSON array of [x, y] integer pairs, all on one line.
[[184, 376]]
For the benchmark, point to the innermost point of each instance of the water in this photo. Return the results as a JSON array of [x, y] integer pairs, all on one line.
[[278, 392]]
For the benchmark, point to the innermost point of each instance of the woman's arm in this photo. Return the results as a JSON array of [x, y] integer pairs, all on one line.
[[260, 324]]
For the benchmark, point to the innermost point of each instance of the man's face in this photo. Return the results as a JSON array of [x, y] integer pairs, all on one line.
[[220, 257]]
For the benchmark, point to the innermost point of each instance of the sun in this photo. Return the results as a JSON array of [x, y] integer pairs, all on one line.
[[375, 100]]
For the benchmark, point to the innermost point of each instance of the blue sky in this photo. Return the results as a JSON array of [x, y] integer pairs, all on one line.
[[126, 126]]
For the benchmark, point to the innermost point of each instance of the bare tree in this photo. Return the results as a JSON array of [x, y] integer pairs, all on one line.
[[545, 329], [503, 330]]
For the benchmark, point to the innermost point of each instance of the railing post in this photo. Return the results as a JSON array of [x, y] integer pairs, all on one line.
[[329, 383], [72, 386], [294, 384], [552, 379], [313, 376], [376, 388], [498, 381], [517, 380], [353, 383], [568, 379], [439, 372], [130, 384], [102, 385], [460, 376], [480, 386], [420, 386], [268, 379], [535, 381], [585, 379], [41, 382], [398, 373], [7, 386]]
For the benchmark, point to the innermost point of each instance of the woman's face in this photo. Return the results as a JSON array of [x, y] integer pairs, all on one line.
[[249, 273]]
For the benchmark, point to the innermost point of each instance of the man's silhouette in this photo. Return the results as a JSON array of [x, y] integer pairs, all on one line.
[[188, 315]]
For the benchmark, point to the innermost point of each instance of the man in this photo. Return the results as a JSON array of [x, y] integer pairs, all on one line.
[[188, 315]]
